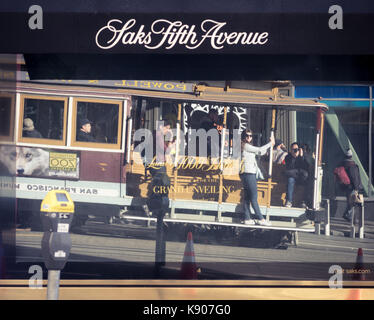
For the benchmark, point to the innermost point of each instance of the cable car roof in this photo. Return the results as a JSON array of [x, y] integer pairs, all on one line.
[[177, 91], [265, 98]]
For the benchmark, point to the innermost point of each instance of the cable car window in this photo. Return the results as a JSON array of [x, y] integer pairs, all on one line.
[[98, 123], [6, 117], [169, 112], [43, 120]]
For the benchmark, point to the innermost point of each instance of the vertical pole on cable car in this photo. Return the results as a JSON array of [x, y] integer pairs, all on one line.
[[160, 242], [129, 130], [270, 172], [320, 171], [317, 158], [223, 134], [177, 143]]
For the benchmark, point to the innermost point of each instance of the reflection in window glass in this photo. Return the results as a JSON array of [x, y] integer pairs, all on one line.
[[356, 126], [43, 119], [5, 113], [306, 129], [259, 121], [97, 122], [354, 121], [170, 113]]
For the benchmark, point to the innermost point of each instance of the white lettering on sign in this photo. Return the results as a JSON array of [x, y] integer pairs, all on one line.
[[60, 254], [63, 227], [168, 34], [72, 190]]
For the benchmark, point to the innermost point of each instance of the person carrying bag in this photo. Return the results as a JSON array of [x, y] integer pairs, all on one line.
[[353, 188]]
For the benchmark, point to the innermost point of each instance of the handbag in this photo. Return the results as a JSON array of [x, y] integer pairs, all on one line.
[[356, 197], [341, 175]]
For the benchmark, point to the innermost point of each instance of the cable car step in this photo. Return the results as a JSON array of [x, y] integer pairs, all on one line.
[[276, 225]]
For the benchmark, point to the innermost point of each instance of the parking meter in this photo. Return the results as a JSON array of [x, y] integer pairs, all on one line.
[[57, 210]]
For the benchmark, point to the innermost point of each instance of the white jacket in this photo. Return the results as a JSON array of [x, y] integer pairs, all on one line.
[[249, 153]]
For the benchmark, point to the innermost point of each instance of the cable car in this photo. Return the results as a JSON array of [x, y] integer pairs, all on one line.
[[42, 148]]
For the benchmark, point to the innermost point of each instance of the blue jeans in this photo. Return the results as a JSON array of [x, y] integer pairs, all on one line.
[[308, 190], [250, 195], [290, 187]]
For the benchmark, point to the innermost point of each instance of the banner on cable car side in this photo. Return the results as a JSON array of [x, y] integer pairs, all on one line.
[[39, 162]]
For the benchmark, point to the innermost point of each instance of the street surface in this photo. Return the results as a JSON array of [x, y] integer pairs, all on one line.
[[224, 257]]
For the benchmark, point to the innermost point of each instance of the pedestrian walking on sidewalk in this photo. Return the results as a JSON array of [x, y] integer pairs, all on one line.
[[354, 187]]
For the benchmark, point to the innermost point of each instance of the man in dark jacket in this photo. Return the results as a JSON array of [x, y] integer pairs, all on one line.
[[84, 133], [208, 122], [297, 169], [355, 186]]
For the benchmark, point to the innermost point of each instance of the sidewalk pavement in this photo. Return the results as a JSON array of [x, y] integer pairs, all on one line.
[[341, 227]]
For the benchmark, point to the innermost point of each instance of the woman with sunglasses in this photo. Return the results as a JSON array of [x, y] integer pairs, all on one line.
[[248, 176]]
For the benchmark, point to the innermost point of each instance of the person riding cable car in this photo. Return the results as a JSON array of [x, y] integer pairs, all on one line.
[[84, 133]]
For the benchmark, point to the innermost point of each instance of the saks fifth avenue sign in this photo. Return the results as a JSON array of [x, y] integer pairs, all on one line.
[[165, 34]]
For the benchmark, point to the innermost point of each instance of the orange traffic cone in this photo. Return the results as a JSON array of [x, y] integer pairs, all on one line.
[[189, 269], [359, 267], [355, 294]]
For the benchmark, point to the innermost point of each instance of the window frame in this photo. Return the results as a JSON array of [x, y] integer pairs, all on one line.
[[96, 145], [12, 96], [55, 142]]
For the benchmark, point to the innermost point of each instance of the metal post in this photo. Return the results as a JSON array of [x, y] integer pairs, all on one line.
[[129, 141], [160, 243], [177, 143], [327, 218], [220, 196], [295, 236], [53, 284], [317, 228], [370, 141], [317, 159], [362, 222], [315, 186], [270, 172], [353, 230]]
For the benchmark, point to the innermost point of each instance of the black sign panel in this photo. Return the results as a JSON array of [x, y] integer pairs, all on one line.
[[257, 27], [207, 67]]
